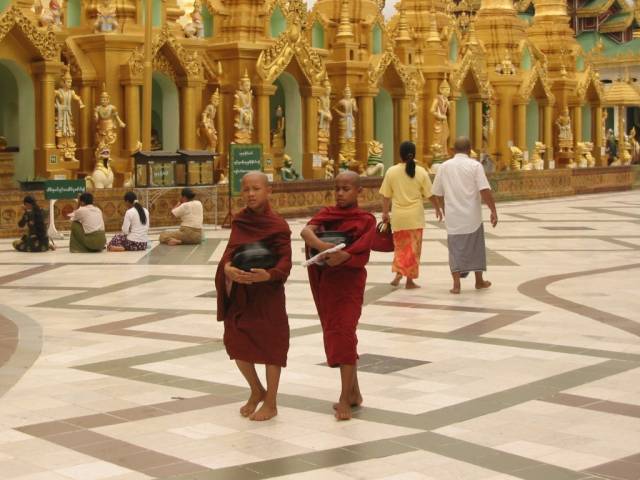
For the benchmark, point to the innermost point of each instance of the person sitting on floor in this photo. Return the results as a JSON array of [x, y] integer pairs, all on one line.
[[190, 213], [87, 227], [135, 227], [35, 238]]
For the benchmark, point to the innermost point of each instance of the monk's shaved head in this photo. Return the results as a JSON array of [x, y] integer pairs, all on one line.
[[256, 175], [349, 176], [462, 145]]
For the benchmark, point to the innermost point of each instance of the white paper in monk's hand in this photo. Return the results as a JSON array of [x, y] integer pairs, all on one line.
[[319, 258]]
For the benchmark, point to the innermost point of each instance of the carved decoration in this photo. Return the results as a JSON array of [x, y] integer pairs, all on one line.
[[537, 73], [189, 62], [274, 59], [590, 77], [470, 65], [44, 41], [376, 70]]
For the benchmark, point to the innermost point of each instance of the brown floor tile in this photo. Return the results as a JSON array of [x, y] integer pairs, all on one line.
[[48, 429], [619, 470], [180, 468], [138, 413], [78, 439], [94, 421], [146, 460]]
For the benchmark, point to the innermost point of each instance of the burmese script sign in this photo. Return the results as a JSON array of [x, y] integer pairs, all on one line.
[[243, 159], [63, 189]]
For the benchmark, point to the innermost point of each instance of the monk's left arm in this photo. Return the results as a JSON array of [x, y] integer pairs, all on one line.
[[281, 271], [361, 249]]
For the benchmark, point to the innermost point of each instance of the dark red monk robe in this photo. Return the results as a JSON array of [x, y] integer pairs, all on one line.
[[256, 326], [339, 291]]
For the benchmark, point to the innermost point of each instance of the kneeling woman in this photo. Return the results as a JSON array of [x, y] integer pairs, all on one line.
[[135, 227], [35, 238]]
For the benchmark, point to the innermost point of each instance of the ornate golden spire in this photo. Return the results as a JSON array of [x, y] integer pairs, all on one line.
[[433, 28], [402, 34], [345, 30]]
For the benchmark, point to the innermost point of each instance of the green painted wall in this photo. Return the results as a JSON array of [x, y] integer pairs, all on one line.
[[383, 125], [166, 111], [376, 39], [74, 13], [278, 22], [610, 120], [453, 49], [207, 19], [533, 125], [156, 12], [526, 61], [317, 35], [5, 3], [463, 121], [586, 123], [17, 116], [288, 95]]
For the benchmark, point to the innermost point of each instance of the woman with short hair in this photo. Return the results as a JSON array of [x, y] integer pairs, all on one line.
[[87, 227], [190, 212], [135, 227]]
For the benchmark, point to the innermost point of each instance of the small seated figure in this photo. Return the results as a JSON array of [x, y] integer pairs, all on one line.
[[584, 149], [107, 21], [191, 215], [506, 67], [626, 150], [375, 166], [195, 28], [50, 16], [102, 175], [517, 158], [329, 169], [288, 172], [87, 227], [537, 162]]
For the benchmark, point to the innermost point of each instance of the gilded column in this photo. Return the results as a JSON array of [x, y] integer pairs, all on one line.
[[577, 126], [311, 133], [403, 121], [47, 74], [132, 115], [521, 133], [262, 121], [596, 134], [493, 134], [190, 97], [453, 115], [476, 125], [86, 137], [548, 132], [365, 119]]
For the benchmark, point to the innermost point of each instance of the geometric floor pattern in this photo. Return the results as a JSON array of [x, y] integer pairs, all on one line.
[[112, 364]]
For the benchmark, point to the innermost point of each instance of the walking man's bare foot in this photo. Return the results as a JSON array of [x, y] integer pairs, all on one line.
[[396, 281], [343, 410], [455, 290], [456, 283], [254, 400], [484, 284], [411, 284], [266, 412]]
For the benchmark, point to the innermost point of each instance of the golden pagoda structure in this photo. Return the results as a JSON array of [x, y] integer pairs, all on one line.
[[507, 74]]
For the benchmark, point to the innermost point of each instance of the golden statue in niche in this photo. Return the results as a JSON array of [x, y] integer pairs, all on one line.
[[208, 122], [243, 106], [107, 118], [413, 117], [346, 109], [65, 131], [440, 110]]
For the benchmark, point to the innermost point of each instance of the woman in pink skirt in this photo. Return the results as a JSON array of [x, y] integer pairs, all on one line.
[[135, 227]]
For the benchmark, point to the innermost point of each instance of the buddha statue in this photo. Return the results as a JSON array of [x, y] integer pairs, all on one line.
[[375, 165], [346, 109], [107, 21], [288, 172]]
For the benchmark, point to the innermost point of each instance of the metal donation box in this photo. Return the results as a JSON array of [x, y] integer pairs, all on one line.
[[198, 165], [158, 169]]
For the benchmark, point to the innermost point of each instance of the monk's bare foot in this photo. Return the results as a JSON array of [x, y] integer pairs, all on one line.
[[254, 400], [355, 401], [266, 412], [343, 410], [396, 281], [172, 242], [484, 284], [411, 284]]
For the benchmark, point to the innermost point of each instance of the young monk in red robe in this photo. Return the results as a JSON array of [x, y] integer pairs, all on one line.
[[252, 304], [338, 286]]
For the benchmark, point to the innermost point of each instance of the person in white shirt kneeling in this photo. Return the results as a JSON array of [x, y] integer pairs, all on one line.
[[135, 227], [191, 216]]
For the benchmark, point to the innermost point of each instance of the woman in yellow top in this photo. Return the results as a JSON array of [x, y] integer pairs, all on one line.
[[404, 188]]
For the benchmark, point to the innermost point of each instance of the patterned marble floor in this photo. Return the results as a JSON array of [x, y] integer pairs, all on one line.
[[112, 367]]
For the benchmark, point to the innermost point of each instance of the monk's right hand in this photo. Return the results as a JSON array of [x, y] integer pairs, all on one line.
[[236, 275], [322, 246]]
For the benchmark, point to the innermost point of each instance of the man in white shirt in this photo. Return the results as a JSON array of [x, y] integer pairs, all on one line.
[[191, 215], [87, 227], [461, 186]]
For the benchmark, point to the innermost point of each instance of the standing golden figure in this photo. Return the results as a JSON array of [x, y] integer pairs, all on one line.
[[208, 122], [65, 131], [107, 121], [346, 109], [243, 106], [440, 111]]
